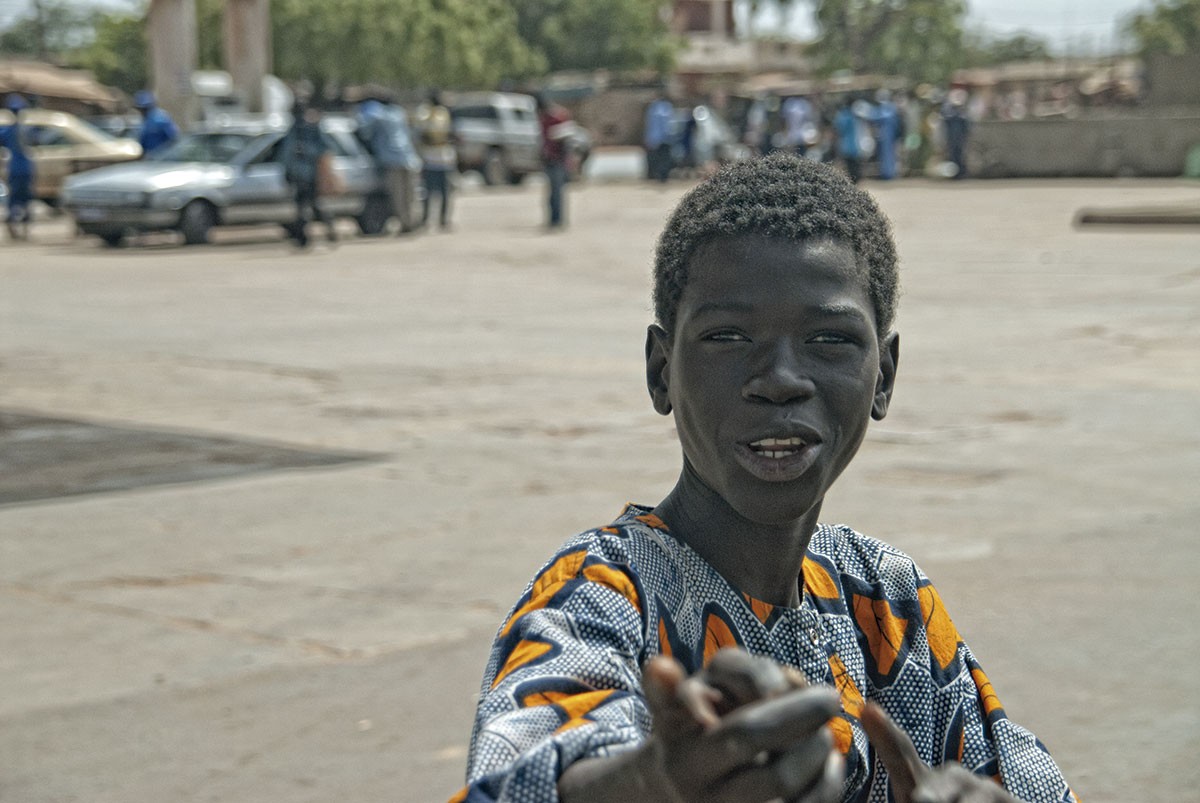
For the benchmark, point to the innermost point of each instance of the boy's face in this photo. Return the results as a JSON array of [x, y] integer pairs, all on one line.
[[773, 371]]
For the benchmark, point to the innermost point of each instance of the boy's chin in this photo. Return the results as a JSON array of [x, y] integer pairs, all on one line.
[[785, 511]]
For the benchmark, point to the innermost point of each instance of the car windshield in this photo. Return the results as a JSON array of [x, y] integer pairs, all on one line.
[[214, 147]]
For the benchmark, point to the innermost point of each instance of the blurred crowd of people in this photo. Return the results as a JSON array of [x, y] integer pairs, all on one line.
[[882, 135]]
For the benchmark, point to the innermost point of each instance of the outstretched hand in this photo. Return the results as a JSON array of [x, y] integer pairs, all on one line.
[[743, 729], [915, 782]]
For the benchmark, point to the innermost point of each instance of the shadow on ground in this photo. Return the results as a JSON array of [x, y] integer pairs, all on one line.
[[46, 458]]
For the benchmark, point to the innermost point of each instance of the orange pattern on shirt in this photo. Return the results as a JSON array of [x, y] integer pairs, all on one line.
[[664, 644], [883, 629], [653, 521], [547, 585], [525, 652], [817, 580], [987, 695], [575, 706], [939, 630], [852, 704], [716, 635], [616, 580], [762, 610]]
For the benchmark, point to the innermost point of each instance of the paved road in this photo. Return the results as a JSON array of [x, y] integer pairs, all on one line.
[[310, 631]]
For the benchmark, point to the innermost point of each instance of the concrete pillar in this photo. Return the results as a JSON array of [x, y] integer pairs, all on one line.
[[717, 9], [171, 29], [246, 28]]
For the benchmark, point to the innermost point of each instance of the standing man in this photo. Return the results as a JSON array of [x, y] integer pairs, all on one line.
[[438, 155], [158, 129], [384, 128], [889, 127], [302, 147], [845, 123], [954, 117], [20, 171], [656, 137], [555, 123], [799, 128]]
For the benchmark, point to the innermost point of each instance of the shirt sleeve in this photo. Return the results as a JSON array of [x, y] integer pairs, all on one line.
[[563, 682], [972, 726], [917, 666]]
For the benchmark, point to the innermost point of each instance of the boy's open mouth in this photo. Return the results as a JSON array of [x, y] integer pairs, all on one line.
[[777, 448], [777, 459]]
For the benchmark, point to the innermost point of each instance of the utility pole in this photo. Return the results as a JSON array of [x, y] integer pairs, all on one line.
[[171, 29], [43, 49], [246, 31]]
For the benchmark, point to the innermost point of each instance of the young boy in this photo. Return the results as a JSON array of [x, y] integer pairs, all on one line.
[[613, 678]]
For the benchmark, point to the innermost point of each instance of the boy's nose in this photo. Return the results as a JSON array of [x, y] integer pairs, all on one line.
[[779, 379]]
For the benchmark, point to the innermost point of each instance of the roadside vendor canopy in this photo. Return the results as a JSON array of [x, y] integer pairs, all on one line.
[[55, 88]]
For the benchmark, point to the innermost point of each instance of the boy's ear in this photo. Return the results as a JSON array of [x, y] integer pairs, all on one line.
[[889, 358], [658, 350]]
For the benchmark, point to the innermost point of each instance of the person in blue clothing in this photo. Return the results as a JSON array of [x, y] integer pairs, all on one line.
[[888, 131], [656, 137], [846, 127], [20, 171], [383, 127], [158, 129]]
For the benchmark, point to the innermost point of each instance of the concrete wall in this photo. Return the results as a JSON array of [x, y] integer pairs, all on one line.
[[1172, 80], [1126, 145]]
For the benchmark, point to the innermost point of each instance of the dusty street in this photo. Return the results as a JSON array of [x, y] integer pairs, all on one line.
[[317, 481]]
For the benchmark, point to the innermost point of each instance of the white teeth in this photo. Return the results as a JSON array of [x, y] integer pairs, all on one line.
[[766, 443]]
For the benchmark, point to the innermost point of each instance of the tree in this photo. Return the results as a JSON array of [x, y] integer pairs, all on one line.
[[981, 50], [118, 54], [919, 39], [51, 29], [596, 34], [408, 42], [1170, 27]]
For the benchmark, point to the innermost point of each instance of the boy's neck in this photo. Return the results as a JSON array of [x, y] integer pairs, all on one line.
[[761, 560]]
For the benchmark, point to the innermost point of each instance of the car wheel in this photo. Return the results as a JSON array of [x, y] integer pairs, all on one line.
[[113, 239], [195, 221], [374, 216], [493, 170]]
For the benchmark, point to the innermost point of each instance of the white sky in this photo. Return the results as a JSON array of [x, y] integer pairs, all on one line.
[[1080, 25]]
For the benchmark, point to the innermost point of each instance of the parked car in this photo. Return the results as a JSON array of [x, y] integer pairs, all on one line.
[[223, 175], [61, 144], [498, 135]]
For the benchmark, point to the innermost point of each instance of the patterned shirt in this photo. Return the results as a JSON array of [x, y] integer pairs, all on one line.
[[564, 679]]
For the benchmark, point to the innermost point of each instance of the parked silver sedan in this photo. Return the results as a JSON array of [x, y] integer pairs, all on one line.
[[226, 175]]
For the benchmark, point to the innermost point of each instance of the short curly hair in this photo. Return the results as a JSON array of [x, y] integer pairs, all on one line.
[[779, 196]]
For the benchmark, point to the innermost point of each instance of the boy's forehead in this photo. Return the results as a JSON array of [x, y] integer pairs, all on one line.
[[732, 255]]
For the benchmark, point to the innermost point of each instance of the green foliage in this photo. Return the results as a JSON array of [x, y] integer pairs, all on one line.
[[413, 43], [119, 53], [596, 34], [402, 42], [1170, 27], [919, 39], [985, 51], [59, 28]]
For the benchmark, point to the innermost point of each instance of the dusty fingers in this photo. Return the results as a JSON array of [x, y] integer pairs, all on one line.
[[953, 783]]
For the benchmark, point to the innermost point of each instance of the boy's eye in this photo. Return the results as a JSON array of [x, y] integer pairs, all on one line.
[[831, 337], [726, 336]]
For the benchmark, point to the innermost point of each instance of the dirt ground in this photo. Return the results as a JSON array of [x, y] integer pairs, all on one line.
[[316, 630]]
